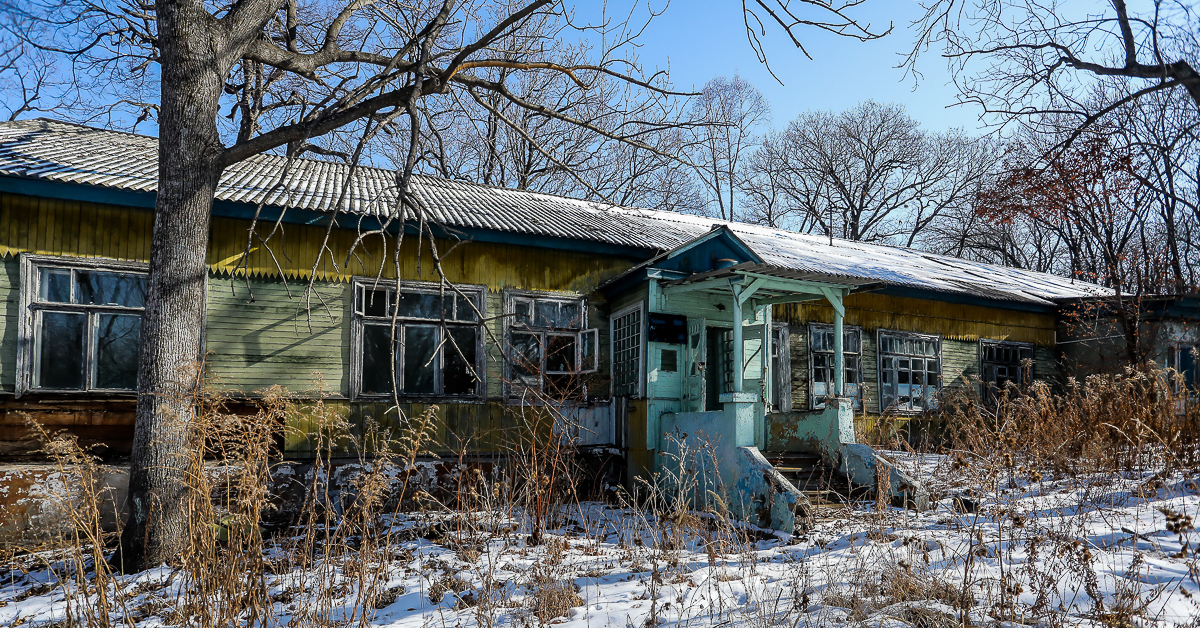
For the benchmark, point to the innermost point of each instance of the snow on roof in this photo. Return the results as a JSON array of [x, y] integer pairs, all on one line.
[[69, 153]]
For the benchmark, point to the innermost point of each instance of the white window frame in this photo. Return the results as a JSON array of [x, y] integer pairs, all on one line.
[[584, 337], [815, 401], [359, 286], [1174, 361], [32, 309], [640, 376], [984, 343], [930, 394]]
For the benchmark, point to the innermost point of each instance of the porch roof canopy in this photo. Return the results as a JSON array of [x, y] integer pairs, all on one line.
[[764, 284]]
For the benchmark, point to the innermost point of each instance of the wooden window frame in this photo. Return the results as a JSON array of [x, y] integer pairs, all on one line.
[[1174, 361], [640, 376], [31, 309], [880, 355], [815, 402], [984, 343], [781, 367], [360, 320], [584, 336]]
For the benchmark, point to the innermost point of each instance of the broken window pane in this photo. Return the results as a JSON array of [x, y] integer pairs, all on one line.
[[570, 315], [420, 343], [101, 288], [117, 339], [459, 377], [522, 312], [560, 353], [60, 356], [546, 314], [376, 360], [420, 305], [526, 354]]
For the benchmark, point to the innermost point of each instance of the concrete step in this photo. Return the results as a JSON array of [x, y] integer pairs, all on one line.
[[824, 488]]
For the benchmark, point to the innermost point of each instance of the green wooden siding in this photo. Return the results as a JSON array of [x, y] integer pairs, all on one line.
[[10, 299], [960, 366], [251, 345]]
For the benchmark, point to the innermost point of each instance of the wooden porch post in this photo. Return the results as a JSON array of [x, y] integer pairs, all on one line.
[[835, 296], [738, 366], [839, 373]]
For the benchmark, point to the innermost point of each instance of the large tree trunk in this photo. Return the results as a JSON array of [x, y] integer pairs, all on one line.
[[189, 153]]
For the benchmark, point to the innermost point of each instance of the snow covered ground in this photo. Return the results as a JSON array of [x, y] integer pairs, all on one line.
[[1038, 550]]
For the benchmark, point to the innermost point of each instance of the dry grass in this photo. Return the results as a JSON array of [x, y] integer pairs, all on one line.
[[333, 558]]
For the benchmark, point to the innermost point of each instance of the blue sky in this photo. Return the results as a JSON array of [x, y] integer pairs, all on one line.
[[706, 39]]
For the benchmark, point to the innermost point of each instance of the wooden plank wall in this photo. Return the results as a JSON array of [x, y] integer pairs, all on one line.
[[253, 344], [55, 227], [10, 302], [275, 339], [954, 321]]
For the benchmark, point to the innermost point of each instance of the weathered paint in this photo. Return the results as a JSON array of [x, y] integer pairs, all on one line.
[[863, 467], [702, 455], [823, 431], [35, 502], [952, 321], [959, 366], [10, 302], [279, 337], [61, 227], [275, 339]]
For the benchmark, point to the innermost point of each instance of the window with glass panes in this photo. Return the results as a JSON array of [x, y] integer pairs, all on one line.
[[549, 343], [909, 371], [85, 326], [1185, 360], [437, 343], [821, 351], [1000, 363], [627, 351]]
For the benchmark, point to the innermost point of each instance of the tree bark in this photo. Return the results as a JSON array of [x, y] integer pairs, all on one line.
[[189, 162]]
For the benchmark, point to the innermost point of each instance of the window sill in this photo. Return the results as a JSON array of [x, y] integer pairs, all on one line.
[[418, 400], [55, 392]]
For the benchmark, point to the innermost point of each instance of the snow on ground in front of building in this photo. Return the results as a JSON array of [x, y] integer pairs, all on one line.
[[1093, 551]]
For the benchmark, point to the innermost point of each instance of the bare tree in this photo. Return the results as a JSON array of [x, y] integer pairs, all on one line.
[[731, 113], [227, 81], [1160, 131], [1089, 198], [871, 173], [1063, 70], [833, 17], [1020, 59]]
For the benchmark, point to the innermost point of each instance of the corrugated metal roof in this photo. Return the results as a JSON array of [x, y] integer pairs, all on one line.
[[70, 153]]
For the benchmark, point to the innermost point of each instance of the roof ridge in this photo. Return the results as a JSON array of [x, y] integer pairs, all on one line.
[[329, 162], [74, 153]]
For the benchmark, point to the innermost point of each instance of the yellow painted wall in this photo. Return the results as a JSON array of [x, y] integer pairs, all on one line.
[[953, 321], [56, 227]]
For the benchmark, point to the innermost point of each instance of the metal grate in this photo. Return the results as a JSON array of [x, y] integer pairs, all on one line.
[[627, 352]]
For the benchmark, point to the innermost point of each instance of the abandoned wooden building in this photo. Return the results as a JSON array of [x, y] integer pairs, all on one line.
[[657, 318]]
